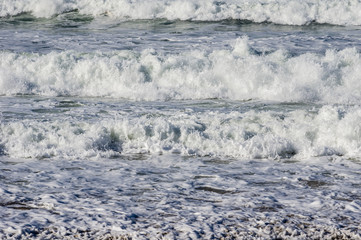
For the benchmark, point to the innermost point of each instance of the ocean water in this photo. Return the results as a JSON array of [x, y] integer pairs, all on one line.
[[171, 119]]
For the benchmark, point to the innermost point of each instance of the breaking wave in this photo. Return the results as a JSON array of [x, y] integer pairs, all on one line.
[[331, 130], [235, 74], [294, 12]]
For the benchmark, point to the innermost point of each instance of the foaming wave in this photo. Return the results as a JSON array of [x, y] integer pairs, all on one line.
[[301, 134], [236, 74], [292, 12]]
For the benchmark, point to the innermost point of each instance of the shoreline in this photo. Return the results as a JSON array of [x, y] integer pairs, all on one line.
[[262, 229]]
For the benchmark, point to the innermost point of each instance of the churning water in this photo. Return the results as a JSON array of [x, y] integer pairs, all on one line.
[[180, 119]]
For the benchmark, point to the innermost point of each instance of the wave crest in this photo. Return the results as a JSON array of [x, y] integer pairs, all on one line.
[[236, 74]]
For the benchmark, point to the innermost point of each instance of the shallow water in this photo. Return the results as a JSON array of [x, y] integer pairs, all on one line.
[[200, 169], [173, 196]]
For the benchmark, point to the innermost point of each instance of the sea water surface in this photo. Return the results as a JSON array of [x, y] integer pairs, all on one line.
[[175, 119]]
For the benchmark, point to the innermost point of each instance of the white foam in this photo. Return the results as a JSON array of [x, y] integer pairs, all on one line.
[[267, 134], [39, 8], [277, 11], [234, 73], [172, 197]]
